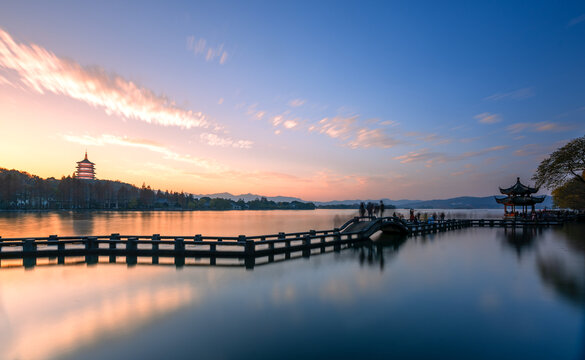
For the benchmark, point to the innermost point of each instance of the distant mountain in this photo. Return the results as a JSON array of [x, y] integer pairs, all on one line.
[[462, 202], [248, 197], [351, 202]]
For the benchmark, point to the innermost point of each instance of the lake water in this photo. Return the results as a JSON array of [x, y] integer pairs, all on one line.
[[475, 293]]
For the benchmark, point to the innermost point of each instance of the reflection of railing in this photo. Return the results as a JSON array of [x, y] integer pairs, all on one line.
[[249, 248]]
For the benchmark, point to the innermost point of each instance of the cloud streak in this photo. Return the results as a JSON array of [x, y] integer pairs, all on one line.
[[519, 94], [214, 140], [108, 139], [430, 157], [542, 126], [296, 102], [577, 20], [200, 47], [487, 118], [42, 71]]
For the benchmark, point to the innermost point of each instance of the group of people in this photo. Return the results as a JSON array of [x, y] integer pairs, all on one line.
[[425, 217], [372, 209]]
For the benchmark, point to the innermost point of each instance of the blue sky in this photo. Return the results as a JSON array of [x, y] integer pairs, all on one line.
[[324, 100]]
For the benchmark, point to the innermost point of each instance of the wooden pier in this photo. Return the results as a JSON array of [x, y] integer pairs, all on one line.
[[208, 250]]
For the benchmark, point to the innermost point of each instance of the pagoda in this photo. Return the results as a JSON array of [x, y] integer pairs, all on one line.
[[85, 169], [519, 195]]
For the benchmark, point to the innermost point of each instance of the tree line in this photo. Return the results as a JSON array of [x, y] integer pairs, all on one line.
[[23, 191]]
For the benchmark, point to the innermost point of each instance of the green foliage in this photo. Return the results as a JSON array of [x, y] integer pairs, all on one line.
[[562, 165], [571, 195]]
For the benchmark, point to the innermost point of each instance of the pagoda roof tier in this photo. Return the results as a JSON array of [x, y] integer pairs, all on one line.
[[518, 189], [85, 161], [520, 200]]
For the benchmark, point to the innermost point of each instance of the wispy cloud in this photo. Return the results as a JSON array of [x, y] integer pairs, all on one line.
[[108, 139], [389, 123], [536, 127], [430, 157], [42, 71], [428, 137], [200, 47], [297, 102], [422, 155], [577, 20], [338, 127], [487, 118], [214, 140], [519, 94], [372, 138], [467, 169], [354, 135], [4, 81]]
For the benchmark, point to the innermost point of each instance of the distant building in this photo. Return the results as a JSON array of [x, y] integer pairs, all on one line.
[[85, 169], [519, 195]]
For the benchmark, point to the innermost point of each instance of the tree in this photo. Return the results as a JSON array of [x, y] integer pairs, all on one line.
[[571, 195], [562, 165]]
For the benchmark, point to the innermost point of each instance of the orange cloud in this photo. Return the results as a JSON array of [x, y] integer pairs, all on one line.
[[42, 71]]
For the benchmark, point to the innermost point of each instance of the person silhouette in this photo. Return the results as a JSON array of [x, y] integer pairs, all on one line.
[[362, 209]]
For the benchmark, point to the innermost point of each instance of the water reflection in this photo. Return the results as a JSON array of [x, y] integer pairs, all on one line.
[[379, 250], [455, 295], [83, 222], [520, 239], [564, 271]]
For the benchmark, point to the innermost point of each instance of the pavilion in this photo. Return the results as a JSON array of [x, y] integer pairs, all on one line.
[[519, 195]]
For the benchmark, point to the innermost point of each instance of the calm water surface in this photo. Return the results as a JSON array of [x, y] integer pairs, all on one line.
[[476, 293]]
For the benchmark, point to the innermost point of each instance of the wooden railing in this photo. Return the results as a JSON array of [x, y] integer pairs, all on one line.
[[252, 249]]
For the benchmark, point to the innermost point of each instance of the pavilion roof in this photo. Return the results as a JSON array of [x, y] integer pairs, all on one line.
[[520, 200], [518, 189]]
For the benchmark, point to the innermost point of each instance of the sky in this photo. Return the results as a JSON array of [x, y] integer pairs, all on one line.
[[322, 100]]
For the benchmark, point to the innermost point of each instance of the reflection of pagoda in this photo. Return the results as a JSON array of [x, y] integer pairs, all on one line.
[[519, 195], [85, 169]]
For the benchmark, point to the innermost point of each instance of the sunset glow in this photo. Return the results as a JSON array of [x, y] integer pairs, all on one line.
[[320, 104]]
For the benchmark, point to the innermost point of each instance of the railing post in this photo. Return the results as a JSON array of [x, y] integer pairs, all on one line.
[[156, 242], [131, 244], [90, 247], [337, 241], [131, 247], [29, 247], [155, 248], [61, 251], [212, 250], [179, 252], [270, 247], [250, 253], [307, 246], [282, 236], [112, 246], [179, 245], [91, 243]]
